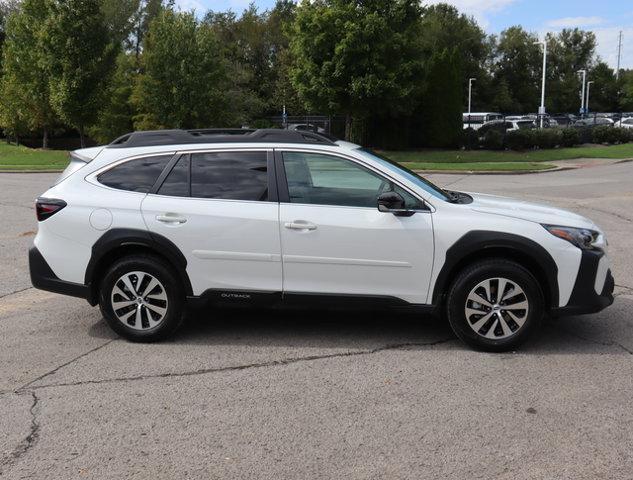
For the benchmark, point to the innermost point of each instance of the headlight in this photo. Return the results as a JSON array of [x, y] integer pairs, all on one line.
[[583, 238]]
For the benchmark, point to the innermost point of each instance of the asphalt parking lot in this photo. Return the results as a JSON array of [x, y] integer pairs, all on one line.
[[275, 395]]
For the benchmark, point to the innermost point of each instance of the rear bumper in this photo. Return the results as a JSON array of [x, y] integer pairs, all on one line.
[[43, 278], [584, 297]]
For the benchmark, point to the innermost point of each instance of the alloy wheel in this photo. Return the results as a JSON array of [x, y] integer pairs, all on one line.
[[496, 308], [139, 300]]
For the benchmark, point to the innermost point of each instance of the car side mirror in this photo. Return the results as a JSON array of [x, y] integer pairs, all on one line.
[[392, 202]]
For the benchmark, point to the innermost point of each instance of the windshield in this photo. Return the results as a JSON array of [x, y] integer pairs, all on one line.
[[406, 173]]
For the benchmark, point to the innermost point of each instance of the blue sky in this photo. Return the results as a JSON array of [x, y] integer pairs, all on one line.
[[604, 17]]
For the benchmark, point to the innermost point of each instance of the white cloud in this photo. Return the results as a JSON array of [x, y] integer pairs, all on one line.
[[607, 39], [478, 9], [572, 22]]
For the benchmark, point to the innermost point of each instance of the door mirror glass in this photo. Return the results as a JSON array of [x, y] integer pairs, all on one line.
[[392, 202]]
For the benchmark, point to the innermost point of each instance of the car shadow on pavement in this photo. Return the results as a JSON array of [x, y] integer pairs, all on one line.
[[262, 328]]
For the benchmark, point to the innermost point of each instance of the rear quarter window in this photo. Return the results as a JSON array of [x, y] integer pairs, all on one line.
[[138, 175]]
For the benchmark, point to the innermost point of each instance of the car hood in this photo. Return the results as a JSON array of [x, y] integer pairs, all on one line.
[[532, 212]]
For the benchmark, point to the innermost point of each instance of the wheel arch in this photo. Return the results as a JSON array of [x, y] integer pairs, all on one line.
[[480, 245], [120, 242]]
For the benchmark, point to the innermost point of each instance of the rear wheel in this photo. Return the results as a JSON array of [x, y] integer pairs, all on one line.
[[141, 298], [494, 305]]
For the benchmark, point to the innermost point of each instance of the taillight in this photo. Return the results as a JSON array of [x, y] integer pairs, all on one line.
[[47, 207]]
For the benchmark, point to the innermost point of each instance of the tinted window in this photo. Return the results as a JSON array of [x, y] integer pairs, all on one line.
[[177, 182], [325, 180], [136, 175], [229, 175]]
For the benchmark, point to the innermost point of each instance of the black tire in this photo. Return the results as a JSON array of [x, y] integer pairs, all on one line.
[[173, 291], [472, 276]]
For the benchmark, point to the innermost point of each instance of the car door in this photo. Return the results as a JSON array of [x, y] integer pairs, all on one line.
[[334, 239], [219, 209]]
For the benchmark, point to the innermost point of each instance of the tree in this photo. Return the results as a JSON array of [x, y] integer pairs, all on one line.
[[255, 47], [442, 104], [184, 77], [568, 52], [81, 55], [26, 69], [356, 58], [115, 118], [518, 70], [605, 91], [443, 27]]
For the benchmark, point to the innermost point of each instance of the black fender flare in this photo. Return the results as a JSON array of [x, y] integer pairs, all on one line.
[[128, 237], [484, 244]]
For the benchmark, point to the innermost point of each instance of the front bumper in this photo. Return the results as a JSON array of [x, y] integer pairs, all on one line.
[[43, 277], [584, 297]]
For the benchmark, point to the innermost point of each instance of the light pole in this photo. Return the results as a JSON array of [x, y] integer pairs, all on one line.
[[470, 96], [588, 88], [541, 110], [582, 97]]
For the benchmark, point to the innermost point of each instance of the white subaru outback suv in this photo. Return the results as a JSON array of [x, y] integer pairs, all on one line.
[[157, 220]]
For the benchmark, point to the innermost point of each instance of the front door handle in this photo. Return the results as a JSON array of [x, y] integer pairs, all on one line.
[[171, 218], [300, 225]]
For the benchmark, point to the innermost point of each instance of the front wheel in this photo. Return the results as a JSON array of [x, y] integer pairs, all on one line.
[[141, 299], [494, 305]]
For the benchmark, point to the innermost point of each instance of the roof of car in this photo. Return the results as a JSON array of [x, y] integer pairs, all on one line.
[[220, 135]]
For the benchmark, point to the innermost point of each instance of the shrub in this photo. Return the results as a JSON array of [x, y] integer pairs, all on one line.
[[624, 135], [548, 138], [585, 134], [469, 139], [605, 134], [570, 137], [493, 140], [519, 139]]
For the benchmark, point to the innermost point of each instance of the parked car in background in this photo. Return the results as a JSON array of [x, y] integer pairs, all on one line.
[[477, 120], [504, 126], [593, 122], [564, 119], [625, 123], [306, 127]]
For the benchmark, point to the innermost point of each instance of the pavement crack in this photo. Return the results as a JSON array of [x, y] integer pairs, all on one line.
[[59, 367], [30, 440], [15, 291], [271, 363], [628, 289], [600, 210]]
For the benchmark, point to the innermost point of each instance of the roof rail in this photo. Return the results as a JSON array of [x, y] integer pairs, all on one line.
[[219, 135]]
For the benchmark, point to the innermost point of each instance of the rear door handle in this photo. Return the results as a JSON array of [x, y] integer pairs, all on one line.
[[171, 218], [300, 225]]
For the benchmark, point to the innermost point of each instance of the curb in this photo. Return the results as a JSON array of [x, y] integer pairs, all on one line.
[[494, 172]]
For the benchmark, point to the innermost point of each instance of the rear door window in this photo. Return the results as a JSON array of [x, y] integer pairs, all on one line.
[[230, 175], [138, 175]]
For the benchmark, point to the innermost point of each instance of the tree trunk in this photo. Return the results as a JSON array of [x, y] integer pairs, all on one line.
[[82, 138], [45, 139]]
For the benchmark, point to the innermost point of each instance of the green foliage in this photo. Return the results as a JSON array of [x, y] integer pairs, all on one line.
[[521, 139], [518, 70], [26, 84], [568, 52], [184, 76], [81, 56], [357, 58], [570, 137], [441, 102], [115, 117], [493, 140], [611, 135]]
